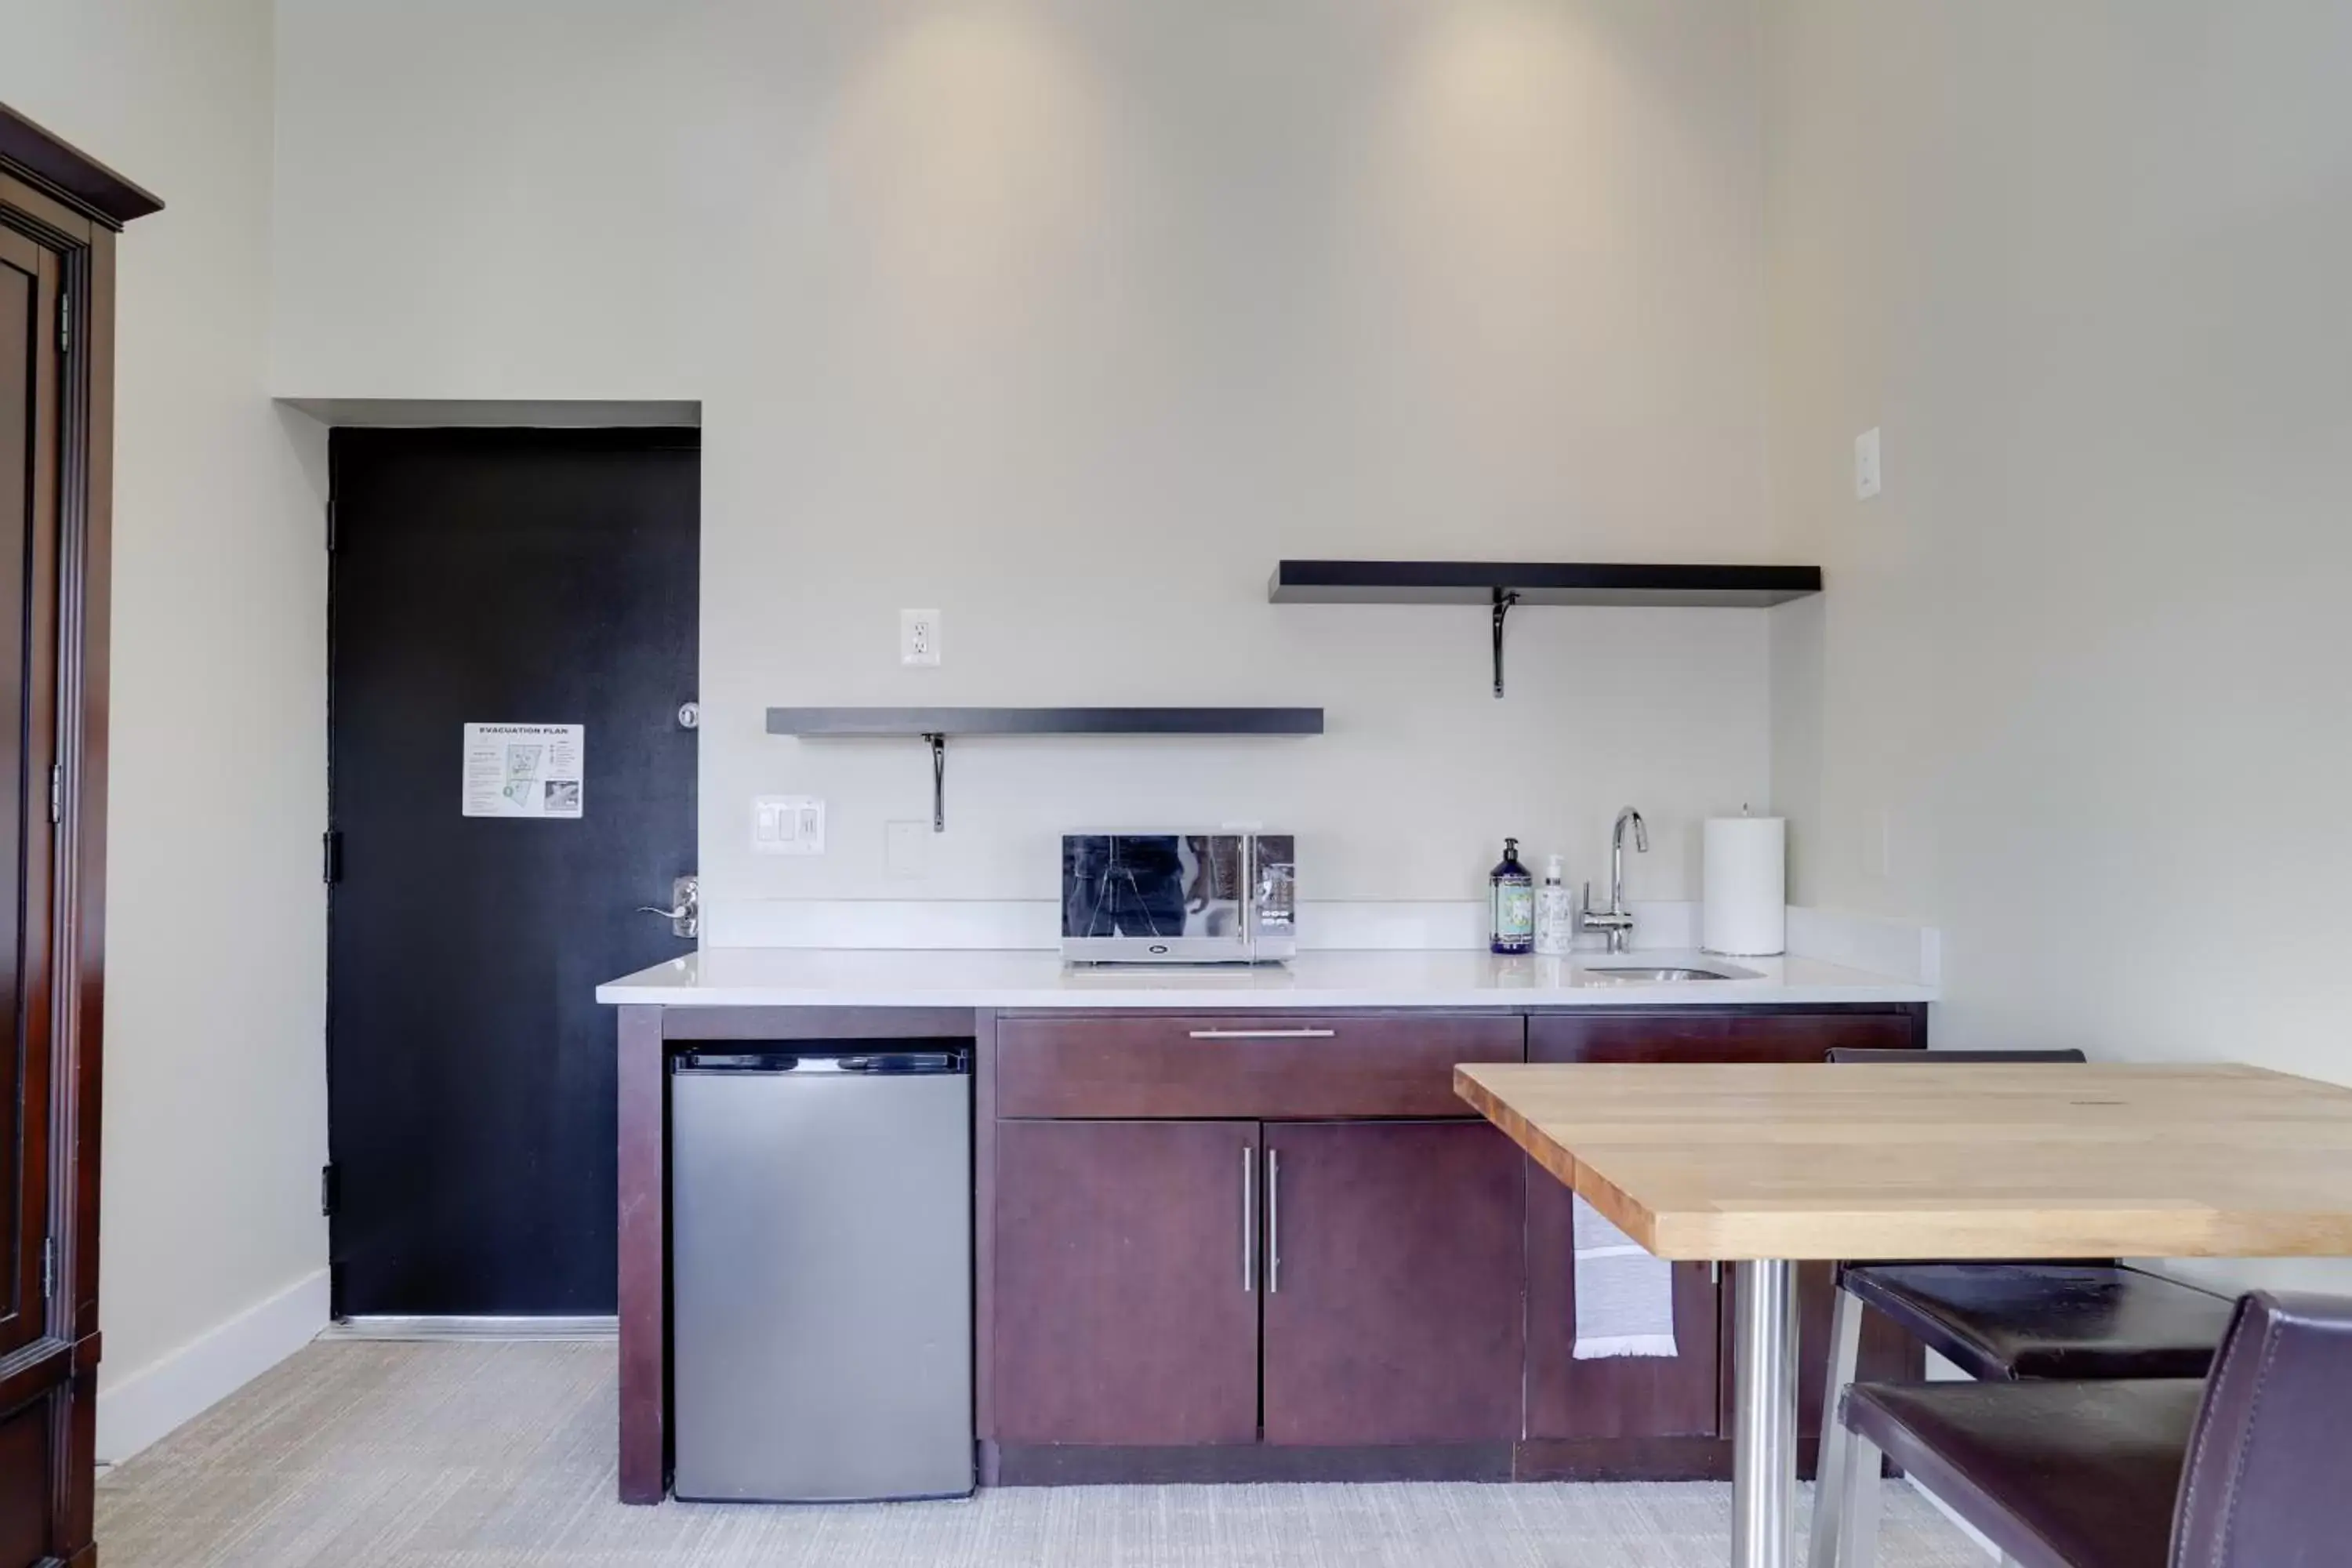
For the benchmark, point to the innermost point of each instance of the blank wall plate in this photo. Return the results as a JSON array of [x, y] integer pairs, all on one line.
[[788, 825], [918, 638], [906, 849], [1865, 464]]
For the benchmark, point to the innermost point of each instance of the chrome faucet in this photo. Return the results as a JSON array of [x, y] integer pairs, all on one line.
[[1618, 921]]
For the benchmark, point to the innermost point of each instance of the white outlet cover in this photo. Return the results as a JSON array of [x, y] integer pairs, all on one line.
[[918, 638], [1865, 464], [788, 825]]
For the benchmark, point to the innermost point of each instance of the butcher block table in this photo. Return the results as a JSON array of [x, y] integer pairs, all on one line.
[[1765, 1166]]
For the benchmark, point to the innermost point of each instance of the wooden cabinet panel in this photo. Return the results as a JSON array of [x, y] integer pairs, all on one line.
[[1266, 1066], [1622, 1397], [1688, 1396], [1393, 1310], [26, 1480], [29, 523], [1122, 1312], [1688, 1035], [54, 408]]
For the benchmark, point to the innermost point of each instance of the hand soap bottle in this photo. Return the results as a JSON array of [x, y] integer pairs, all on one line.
[[1555, 912], [1511, 902]]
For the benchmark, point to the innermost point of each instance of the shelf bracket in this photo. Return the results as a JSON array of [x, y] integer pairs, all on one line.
[[938, 782], [1504, 599]]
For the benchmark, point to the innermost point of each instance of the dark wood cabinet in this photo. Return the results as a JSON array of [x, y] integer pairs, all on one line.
[[1620, 1397], [1265, 1068], [1688, 1396], [1123, 1312], [1394, 1304], [1126, 1273], [59, 212], [1708, 1035], [1138, 1175]]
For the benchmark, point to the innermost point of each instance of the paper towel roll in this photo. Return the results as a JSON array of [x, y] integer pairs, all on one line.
[[1745, 913]]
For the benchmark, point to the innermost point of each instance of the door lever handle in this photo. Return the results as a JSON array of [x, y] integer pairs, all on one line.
[[685, 912]]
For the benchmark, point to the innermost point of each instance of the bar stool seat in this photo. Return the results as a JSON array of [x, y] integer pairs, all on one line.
[[2057, 1475], [2241, 1469], [2087, 1318], [2010, 1320]]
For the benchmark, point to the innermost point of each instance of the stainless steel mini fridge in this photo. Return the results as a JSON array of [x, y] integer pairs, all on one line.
[[820, 1272]]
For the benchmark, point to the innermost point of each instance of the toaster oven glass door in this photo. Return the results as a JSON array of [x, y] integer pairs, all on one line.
[[1154, 887]]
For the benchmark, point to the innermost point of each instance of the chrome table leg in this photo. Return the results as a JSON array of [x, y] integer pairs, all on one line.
[[1764, 1417]]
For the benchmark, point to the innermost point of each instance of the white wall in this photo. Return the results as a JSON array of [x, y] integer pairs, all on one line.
[[1068, 319], [215, 1110], [2076, 688]]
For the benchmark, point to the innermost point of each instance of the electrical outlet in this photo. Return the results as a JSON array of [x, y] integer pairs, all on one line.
[[918, 638], [1865, 464]]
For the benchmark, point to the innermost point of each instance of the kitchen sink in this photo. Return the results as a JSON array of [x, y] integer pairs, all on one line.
[[1656, 975]]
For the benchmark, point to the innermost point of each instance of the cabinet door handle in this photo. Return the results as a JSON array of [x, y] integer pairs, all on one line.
[[1263, 1033], [1273, 1222], [1249, 1220]]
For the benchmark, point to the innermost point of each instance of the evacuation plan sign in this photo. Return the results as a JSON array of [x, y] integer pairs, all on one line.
[[524, 770]]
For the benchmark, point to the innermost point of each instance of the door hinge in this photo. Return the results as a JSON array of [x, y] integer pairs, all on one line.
[[57, 793], [331, 868], [49, 1269], [330, 1190], [65, 323]]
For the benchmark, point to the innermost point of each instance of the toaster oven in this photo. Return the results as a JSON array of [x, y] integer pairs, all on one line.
[[1179, 898]]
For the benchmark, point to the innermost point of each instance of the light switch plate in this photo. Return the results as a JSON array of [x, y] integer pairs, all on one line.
[[918, 638], [788, 825], [1865, 464]]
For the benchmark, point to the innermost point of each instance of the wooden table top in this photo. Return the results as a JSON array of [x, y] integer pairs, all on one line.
[[1701, 1161]]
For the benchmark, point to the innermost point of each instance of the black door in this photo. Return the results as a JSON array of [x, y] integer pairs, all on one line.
[[525, 578]]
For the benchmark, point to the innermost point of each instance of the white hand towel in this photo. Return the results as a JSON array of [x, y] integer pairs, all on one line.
[[1625, 1297]]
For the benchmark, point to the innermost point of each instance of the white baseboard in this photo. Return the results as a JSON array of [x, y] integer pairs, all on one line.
[[151, 1401], [494, 1329]]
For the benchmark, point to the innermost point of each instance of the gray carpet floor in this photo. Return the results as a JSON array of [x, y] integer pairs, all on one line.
[[500, 1455]]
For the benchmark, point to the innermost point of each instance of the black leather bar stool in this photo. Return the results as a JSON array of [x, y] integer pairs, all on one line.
[[2088, 1318], [2245, 1470]]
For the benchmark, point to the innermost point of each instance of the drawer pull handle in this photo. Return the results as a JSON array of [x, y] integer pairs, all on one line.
[[1263, 1033], [1249, 1220], [1273, 1221]]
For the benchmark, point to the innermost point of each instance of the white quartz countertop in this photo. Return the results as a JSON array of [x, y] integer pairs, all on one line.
[[813, 977]]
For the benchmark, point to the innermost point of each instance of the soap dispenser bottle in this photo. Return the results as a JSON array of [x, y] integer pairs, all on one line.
[[1511, 902], [1555, 912]]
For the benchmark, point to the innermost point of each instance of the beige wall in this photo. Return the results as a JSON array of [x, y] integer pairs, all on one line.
[[1068, 319], [2076, 689], [214, 1090]]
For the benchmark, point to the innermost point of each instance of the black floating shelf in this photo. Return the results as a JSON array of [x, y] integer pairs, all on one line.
[[848, 723], [1538, 583], [1503, 585], [936, 724]]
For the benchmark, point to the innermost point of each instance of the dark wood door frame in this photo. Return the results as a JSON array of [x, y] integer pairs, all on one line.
[[71, 206]]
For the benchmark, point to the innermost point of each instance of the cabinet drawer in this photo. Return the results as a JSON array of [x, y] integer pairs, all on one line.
[[1685, 1035], [1231, 1065]]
